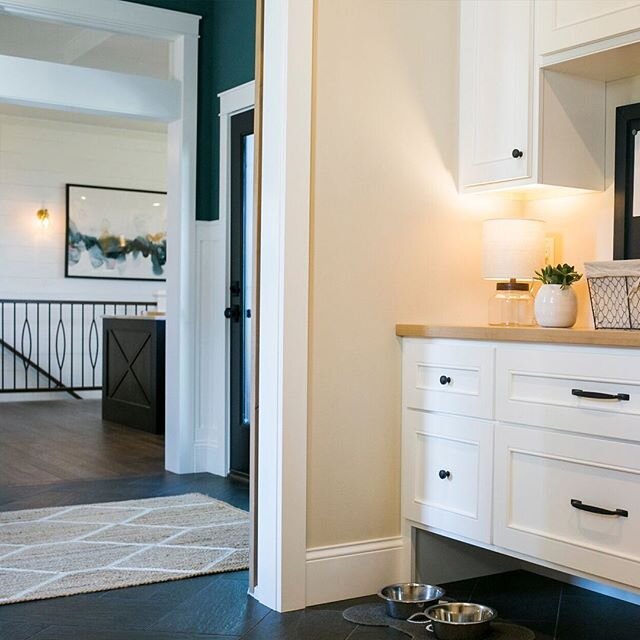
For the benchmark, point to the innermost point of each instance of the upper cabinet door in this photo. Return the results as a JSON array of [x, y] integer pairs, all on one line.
[[496, 64], [562, 24]]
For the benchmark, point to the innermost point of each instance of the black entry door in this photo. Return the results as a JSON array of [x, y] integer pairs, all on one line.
[[240, 289]]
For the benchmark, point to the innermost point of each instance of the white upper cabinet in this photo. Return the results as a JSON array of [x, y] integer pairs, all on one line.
[[496, 53], [564, 24], [522, 126]]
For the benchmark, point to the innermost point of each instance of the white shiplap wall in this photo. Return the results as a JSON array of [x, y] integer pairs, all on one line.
[[37, 158]]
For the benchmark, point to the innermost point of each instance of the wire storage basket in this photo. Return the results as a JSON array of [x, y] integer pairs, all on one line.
[[614, 289]]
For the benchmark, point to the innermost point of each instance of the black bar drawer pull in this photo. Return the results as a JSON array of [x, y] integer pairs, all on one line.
[[596, 395], [577, 504]]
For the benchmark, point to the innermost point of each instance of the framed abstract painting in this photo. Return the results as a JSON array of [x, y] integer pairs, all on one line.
[[115, 233]]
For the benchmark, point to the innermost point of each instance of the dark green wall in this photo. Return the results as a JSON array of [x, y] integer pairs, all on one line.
[[225, 59]]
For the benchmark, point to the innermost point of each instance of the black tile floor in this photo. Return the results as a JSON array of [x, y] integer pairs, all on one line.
[[217, 606]]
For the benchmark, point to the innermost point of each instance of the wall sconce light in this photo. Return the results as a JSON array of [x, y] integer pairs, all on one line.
[[43, 217]]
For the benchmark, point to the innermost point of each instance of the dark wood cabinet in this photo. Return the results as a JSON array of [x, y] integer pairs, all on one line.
[[133, 382]]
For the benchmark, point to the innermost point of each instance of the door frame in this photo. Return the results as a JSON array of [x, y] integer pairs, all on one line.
[[181, 30], [232, 102], [286, 126]]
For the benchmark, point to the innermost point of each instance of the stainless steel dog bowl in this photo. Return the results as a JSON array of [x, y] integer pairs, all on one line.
[[460, 620], [404, 599]]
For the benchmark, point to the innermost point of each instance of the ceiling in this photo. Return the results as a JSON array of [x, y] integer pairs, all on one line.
[[83, 47]]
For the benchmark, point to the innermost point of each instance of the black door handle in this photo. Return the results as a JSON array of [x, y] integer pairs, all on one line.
[[232, 313], [516, 153], [578, 504], [443, 474], [445, 380], [597, 395]]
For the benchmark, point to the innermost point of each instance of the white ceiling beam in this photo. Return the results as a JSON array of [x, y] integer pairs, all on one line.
[[51, 85]]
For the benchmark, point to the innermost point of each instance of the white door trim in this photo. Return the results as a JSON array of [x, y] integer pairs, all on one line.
[[284, 299], [181, 380], [181, 30], [212, 427]]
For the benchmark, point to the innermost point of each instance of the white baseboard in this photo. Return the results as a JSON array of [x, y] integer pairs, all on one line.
[[346, 571], [209, 458]]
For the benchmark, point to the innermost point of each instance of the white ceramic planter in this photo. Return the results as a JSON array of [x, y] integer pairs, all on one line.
[[555, 306]]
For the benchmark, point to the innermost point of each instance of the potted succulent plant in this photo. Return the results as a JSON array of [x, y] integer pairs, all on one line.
[[556, 304]]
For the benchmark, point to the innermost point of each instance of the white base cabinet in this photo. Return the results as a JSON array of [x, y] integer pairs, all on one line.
[[570, 500], [544, 465]]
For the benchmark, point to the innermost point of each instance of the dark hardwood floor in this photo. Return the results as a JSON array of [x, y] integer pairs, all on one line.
[[66, 440]]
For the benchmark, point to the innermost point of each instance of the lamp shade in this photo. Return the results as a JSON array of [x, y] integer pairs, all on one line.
[[513, 248]]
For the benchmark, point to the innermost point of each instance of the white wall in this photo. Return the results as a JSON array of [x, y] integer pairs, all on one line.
[[37, 158], [391, 241]]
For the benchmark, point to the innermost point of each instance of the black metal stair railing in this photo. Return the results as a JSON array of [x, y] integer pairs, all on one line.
[[55, 345]]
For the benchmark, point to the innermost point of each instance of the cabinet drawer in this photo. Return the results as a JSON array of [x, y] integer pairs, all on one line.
[[450, 377], [448, 468], [553, 387], [537, 476]]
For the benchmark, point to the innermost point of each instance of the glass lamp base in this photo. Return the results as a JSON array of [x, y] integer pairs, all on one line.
[[511, 306]]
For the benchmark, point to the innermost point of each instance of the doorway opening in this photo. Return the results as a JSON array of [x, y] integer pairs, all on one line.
[[76, 511], [84, 217], [82, 369]]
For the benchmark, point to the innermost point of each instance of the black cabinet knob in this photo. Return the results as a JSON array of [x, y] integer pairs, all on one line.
[[516, 153], [443, 474], [445, 380]]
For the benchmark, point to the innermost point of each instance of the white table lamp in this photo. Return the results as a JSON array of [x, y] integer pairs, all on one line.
[[513, 248]]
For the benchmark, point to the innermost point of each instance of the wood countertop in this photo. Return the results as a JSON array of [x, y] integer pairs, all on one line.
[[577, 335]]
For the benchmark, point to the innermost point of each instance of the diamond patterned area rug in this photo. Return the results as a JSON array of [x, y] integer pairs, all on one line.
[[45, 553]]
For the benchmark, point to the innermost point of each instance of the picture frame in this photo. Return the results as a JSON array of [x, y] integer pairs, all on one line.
[[626, 234], [114, 233]]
